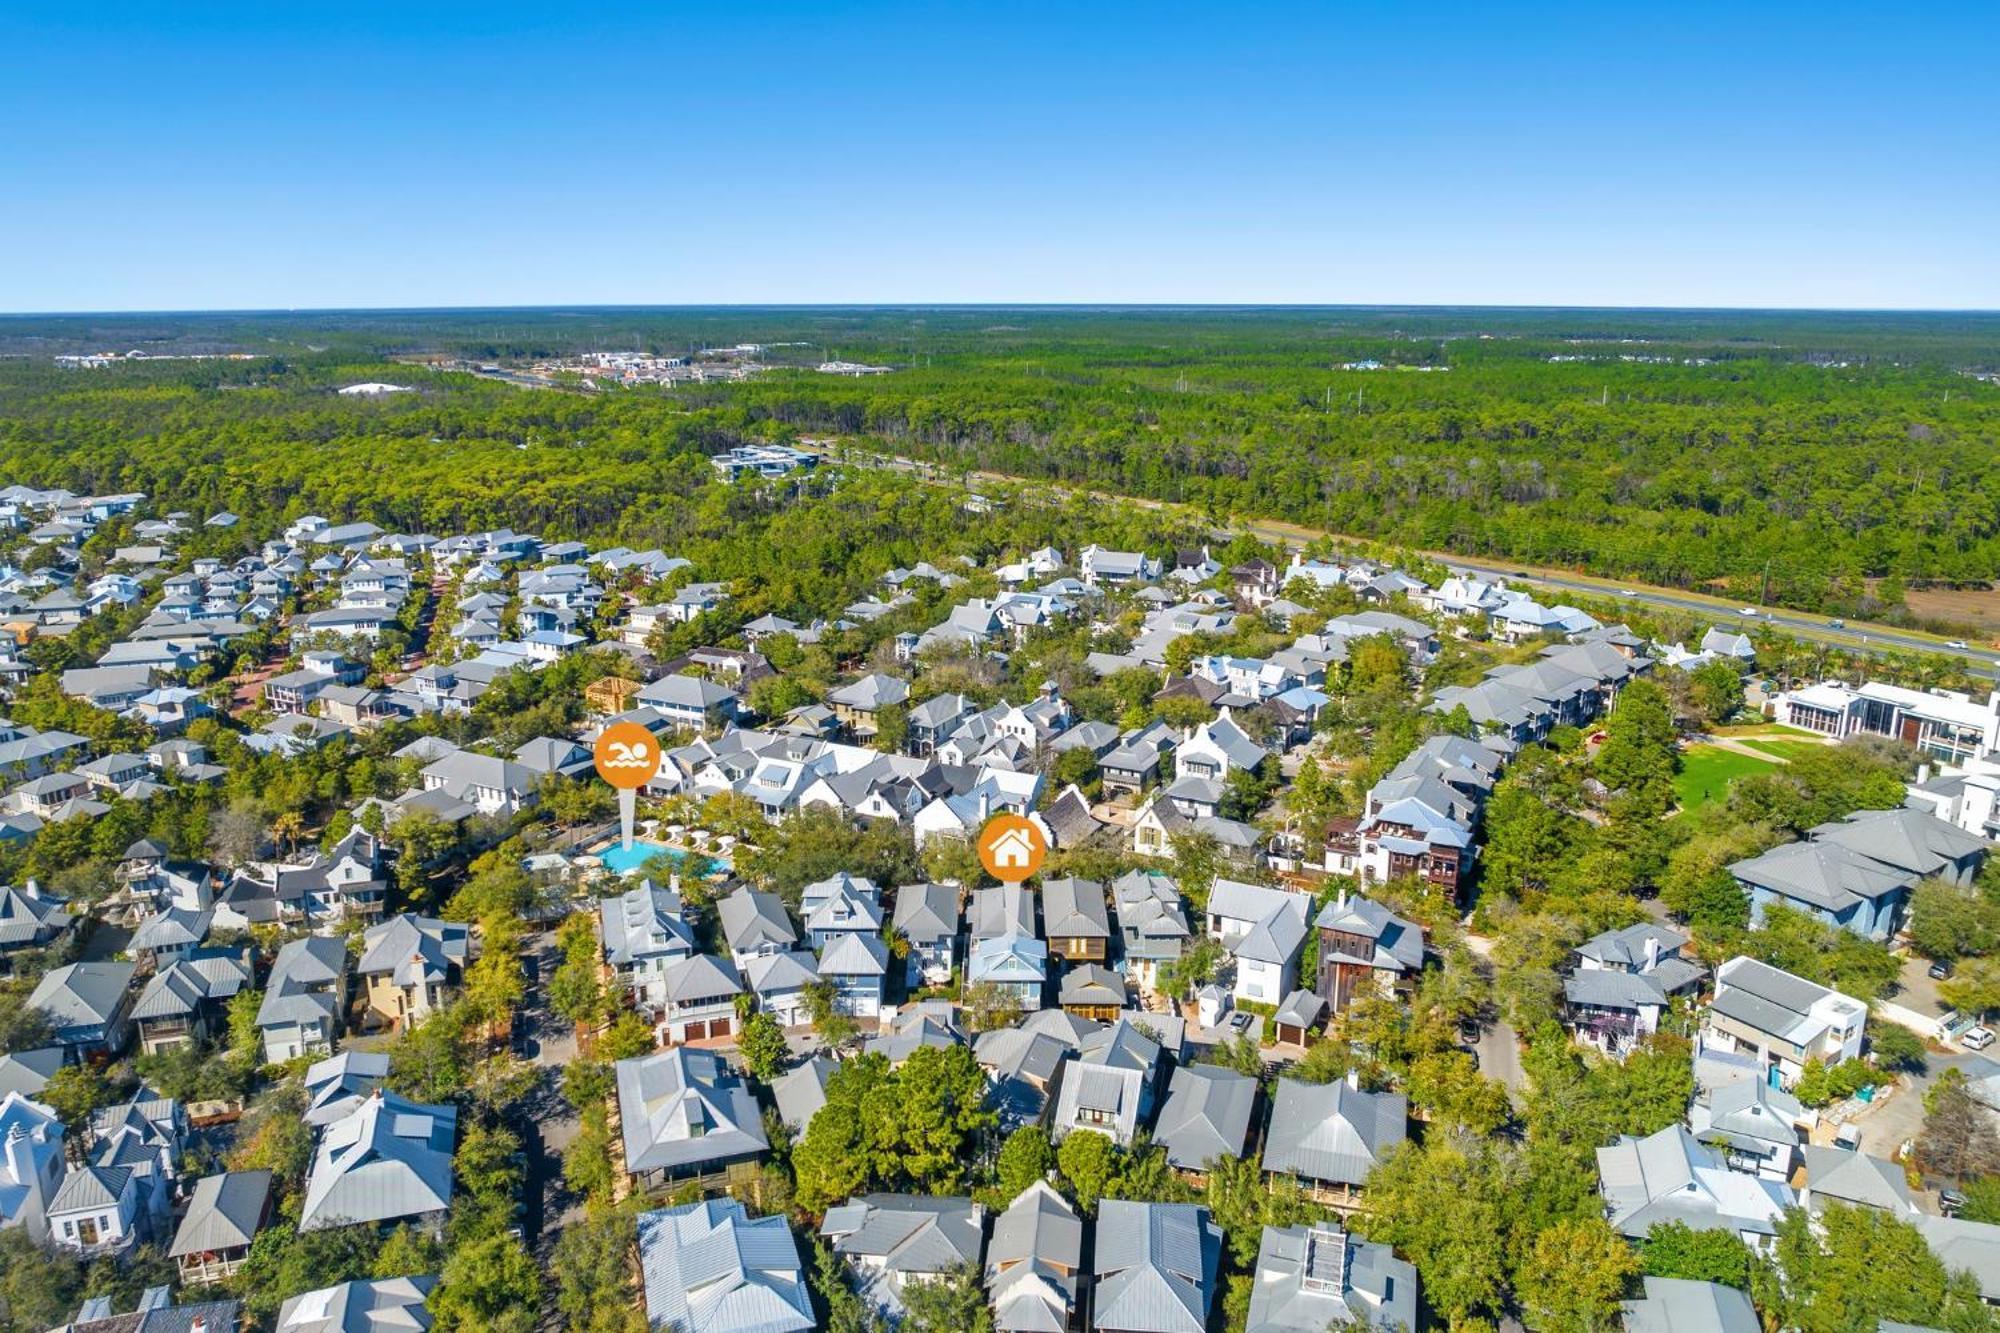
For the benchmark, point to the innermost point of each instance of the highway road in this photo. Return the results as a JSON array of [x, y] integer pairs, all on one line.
[[1854, 636]]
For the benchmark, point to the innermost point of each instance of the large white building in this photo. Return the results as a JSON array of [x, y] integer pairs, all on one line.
[[1945, 724]]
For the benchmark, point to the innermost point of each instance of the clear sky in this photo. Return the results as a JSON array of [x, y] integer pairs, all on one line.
[[179, 156]]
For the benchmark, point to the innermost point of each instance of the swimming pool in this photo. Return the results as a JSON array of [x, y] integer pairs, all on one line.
[[622, 862]]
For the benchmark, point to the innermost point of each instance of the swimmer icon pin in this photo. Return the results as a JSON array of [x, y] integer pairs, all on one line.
[[627, 755]]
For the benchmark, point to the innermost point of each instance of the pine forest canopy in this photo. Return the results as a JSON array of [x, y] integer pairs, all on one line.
[[1687, 448]]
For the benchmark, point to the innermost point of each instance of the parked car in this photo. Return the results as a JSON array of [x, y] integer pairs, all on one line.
[[1950, 1201], [1468, 1030], [1976, 1039], [1940, 969]]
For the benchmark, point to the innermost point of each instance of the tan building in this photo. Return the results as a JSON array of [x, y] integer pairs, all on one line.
[[411, 966]]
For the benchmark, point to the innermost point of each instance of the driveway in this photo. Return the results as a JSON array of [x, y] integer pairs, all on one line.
[[1887, 1126], [1916, 991], [1498, 1051]]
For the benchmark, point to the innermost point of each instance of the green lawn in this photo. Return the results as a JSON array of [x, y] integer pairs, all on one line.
[[1784, 749], [1707, 771], [1747, 729]]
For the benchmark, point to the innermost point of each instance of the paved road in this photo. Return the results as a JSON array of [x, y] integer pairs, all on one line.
[[545, 1121], [1855, 636], [1498, 1051]]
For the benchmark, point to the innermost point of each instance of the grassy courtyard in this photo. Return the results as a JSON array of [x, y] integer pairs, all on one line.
[[1707, 771]]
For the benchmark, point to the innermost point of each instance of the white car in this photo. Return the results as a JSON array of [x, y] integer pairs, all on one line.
[[1746, 610], [1628, 592], [1957, 643], [1976, 1039]]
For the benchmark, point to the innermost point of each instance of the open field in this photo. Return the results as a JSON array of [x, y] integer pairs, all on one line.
[[1707, 771], [1975, 608]]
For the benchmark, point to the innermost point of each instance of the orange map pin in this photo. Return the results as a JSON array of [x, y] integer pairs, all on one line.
[[1012, 848], [627, 756]]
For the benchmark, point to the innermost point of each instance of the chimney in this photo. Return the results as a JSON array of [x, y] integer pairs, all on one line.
[[20, 1161], [1354, 1079], [1923, 774], [1652, 952]]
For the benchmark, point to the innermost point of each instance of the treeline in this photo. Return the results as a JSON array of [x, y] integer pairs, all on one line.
[[1691, 449]]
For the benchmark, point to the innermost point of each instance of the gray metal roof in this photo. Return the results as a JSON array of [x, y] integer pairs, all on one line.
[[413, 949], [683, 1108], [752, 920], [1075, 909], [1032, 1260], [907, 1234], [1670, 1176], [302, 975], [1846, 1176], [82, 994], [1332, 1131], [1156, 1266], [800, 1092], [709, 1267], [926, 913], [1603, 988], [1676, 1305], [390, 1305], [1972, 1247], [224, 1213], [1313, 1278], [390, 1158], [1206, 1115]]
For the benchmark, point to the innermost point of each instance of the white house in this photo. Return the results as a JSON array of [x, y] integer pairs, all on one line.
[[1263, 930]]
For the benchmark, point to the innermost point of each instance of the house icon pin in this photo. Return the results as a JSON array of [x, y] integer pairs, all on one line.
[[1011, 848]]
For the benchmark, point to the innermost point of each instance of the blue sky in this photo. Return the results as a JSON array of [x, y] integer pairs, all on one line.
[[432, 154]]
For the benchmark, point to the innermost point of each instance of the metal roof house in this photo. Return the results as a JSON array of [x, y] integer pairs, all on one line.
[[927, 915], [710, 1267], [388, 1159], [1784, 1020], [1331, 1135], [88, 1005], [1206, 1115], [337, 1085], [685, 1113], [1673, 1177], [891, 1239], [1677, 1305], [1157, 1267], [1313, 1278], [304, 998], [1841, 1175], [1032, 1262], [223, 1217], [360, 1307]]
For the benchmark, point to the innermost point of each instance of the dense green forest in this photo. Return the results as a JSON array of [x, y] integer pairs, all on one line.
[[1686, 448]]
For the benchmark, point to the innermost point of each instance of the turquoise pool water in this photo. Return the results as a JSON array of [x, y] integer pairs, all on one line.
[[622, 862]]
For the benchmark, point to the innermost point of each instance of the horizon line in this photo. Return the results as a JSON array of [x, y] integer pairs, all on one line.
[[1043, 306]]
